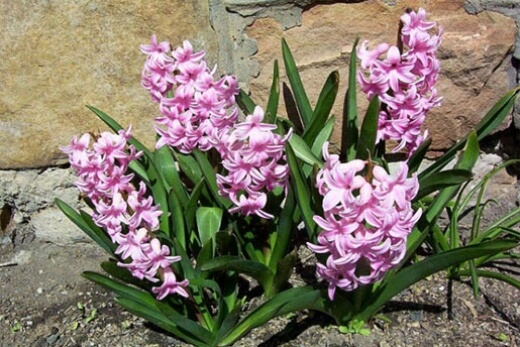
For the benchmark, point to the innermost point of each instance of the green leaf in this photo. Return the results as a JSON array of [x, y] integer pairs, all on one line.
[[322, 109], [284, 269], [115, 126], [177, 219], [193, 203], [228, 323], [422, 269], [164, 159], [283, 230], [349, 134], [494, 275], [274, 96], [414, 163], [291, 300], [303, 152], [189, 167], [323, 136], [302, 101], [211, 180], [466, 162], [367, 137], [123, 274], [301, 189], [206, 253], [165, 163], [258, 271], [208, 222], [156, 317], [94, 232], [140, 171], [491, 120], [145, 305], [246, 104], [442, 180]]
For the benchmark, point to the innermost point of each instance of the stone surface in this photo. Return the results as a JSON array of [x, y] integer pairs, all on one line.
[[27, 199], [475, 55], [60, 56]]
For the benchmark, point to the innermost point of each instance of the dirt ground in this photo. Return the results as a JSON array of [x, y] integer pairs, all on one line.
[[45, 302]]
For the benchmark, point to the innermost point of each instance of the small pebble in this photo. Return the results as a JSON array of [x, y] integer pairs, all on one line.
[[39, 290]]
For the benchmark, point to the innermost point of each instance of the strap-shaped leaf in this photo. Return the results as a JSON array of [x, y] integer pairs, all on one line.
[[442, 180], [165, 161], [257, 270], [466, 162], [140, 171], [115, 126], [176, 219], [414, 163], [94, 232], [420, 270], [301, 190], [494, 275], [189, 167], [283, 230], [146, 303], [350, 131], [246, 104], [210, 178], [228, 322], [284, 269], [303, 152], [323, 136], [367, 137], [191, 208], [291, 300], [302, 101], [274, 96], [123, 274], [156, 318], [323, 108]]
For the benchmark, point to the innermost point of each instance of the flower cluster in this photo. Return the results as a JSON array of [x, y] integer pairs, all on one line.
[[367, 218], [192, 103], [404, 81], [253, 156], [126, 213]]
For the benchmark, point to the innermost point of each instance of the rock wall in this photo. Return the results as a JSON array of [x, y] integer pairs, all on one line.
[[476, 55], [60, 56]]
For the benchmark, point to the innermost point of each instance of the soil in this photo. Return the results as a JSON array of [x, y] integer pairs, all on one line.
[[44, 301]]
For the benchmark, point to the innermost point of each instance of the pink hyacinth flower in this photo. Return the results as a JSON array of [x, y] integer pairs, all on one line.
[[367, 218], [404, 81]]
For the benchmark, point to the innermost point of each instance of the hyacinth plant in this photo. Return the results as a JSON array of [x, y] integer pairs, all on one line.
[[216, 212]]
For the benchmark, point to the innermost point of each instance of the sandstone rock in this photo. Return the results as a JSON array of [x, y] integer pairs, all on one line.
[[475, 56], [60, 56]]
